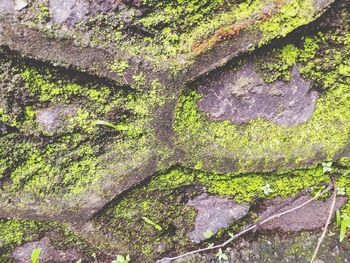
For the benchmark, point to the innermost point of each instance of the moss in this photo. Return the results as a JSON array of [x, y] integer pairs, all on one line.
[[278, 64], [291, 15], [243, 188], [16, 232], [135, 236], [324, 135], [119, 66], [163, 200]]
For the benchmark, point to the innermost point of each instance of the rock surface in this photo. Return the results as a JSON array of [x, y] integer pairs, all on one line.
[[310, 217], [52, 118], [48, 253], [195, 98], [214, 213], [243, 96]]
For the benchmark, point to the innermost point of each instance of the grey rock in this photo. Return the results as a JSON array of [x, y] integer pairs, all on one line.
[[48, 252], [214, 213], [68, 10], [243, 96], [7, 7], [311, 216], [51, 119], [20, 4]]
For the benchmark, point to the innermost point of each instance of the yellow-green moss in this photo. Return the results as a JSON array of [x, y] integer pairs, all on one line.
[[325, 134], [15, 232]]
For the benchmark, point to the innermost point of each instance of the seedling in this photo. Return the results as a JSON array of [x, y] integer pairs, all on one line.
[[343, 220], [35, 255], [119, 127], [267, 189], [327, 167], [149, 221], [221, 255], [122, 259]]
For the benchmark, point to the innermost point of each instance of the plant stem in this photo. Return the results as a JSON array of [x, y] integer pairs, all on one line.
[[169, 259], [331, 210]]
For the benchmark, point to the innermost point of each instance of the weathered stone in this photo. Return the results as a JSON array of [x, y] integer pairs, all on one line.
[[20, 4], [53, 118], [72, 11], [286, 248], [48, 252], [214, 213], [6, 7], [309, 217], [243, 96]]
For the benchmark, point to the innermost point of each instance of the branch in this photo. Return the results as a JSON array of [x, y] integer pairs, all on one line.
[[331, 210], [169, 259]]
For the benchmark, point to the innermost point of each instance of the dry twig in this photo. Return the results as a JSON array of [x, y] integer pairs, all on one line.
[[169, 259], [331, 210]]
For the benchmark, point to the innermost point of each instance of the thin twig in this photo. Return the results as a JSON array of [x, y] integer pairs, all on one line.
[[169, 259], [331, 210]]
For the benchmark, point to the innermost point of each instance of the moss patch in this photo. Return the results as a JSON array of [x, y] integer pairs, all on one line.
[[218, 144]]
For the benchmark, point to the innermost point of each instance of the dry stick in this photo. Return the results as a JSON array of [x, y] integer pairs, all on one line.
[[247, 229], [327, 222]]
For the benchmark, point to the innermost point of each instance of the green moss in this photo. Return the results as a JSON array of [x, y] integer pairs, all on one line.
[[140, 239], [291, 15], [325, 134], [278, 63], [119, 66], [243, 188], [15, 232]]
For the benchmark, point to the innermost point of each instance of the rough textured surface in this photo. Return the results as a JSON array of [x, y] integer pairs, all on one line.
[[284, 248], [52, 118], [310, 217], [149, 71], [243, 96], [48, 252], [213, 214]]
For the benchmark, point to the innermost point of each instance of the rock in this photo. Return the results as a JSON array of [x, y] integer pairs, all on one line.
[[284, 248], [20, 4], [312, 216], [72, 10], [213, 214], [243, 96], [48, 253], [6, 7], [53, 118]]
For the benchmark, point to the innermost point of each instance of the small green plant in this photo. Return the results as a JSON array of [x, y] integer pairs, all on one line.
[[327, 167], [35, 255], [211, 245], [221, 255], [208, 233], [341, 191], [119, 127], [119, 66], [122, 259], [267, 189], [343, 221], [149, 221]]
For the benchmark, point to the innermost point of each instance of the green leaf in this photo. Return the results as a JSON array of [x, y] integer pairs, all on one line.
[[35, 255], [208, 234], [327, 167], [341, 191], [149, 221], [221, 256], [345, 224], [118, 127], [337, 213]]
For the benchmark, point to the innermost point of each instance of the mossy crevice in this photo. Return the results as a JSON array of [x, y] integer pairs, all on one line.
[[264, 146]]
